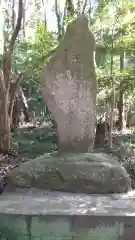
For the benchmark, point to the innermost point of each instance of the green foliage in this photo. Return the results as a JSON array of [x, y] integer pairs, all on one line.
[[113, 27], [44, 43], [30, 57], [112, 23]]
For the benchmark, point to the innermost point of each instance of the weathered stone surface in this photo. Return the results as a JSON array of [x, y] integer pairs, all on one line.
[[38, 215], [69, 88], [86, 173]]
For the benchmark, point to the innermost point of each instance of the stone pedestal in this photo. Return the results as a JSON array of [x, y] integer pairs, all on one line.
[[39, 215]]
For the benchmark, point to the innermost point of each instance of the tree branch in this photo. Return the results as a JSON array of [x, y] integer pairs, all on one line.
[[18, 26], [7, 59]]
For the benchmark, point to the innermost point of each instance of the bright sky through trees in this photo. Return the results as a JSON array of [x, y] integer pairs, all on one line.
[[32, 14]]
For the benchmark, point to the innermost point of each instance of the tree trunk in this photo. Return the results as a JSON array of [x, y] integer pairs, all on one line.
[[112, 104], [24, 105], [120, 110], [13, 15], [121, 92], [84, 6], [24, 20], [58, 17], [5, 135], [15, 115]]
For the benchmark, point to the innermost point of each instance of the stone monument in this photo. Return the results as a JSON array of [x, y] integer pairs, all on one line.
[[69, 88]]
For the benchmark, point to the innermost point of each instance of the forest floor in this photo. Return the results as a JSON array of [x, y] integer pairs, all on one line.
[[30, 142], [124, 150]]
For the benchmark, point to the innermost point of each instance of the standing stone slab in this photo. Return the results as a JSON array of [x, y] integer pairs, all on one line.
[[69, 88]]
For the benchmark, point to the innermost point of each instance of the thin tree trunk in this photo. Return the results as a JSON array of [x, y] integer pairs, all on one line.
[[13, 15], [14, 89], [78, 7], [113, 97], [15, 116], [120, 109], [84, 6], [121, 94], [23, 19], [45, 18], [58, 17]]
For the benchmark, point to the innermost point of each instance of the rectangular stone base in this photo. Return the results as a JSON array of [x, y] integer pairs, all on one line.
[[35, 215]]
